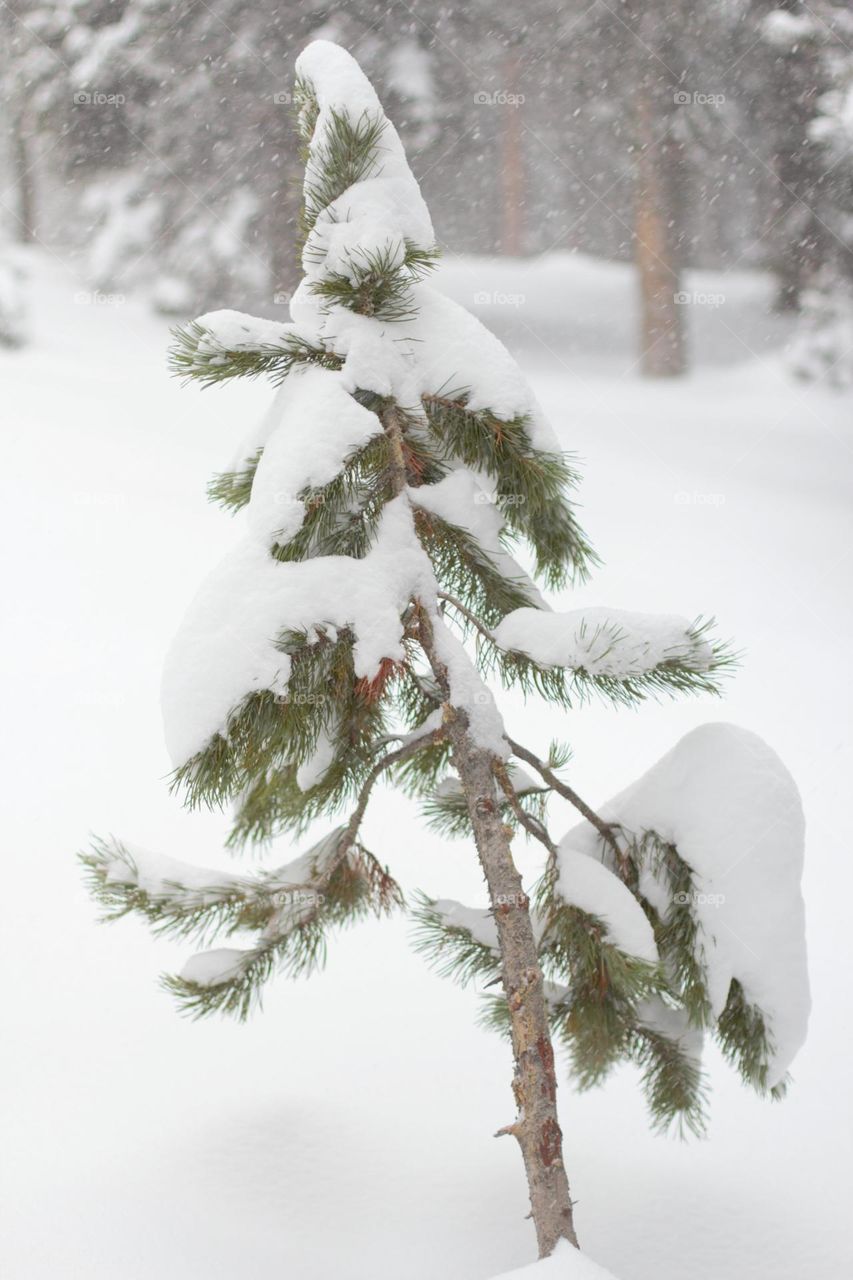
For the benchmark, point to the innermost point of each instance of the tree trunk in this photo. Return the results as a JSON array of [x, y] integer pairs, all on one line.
[[794, 81], [536, 1127], [24, 182], [512, 168], [662, 338], [534, 1084]]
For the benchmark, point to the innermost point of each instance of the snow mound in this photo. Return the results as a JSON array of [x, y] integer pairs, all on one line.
[[726, 801], [565, 1263]]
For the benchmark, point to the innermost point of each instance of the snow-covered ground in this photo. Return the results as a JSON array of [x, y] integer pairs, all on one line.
[[346, 1131]]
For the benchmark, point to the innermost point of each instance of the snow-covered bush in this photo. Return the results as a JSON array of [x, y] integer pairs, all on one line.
[[822, 348], [126, 220]]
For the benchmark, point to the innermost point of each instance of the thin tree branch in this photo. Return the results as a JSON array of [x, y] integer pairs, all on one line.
[[405, 752], [525, 819], [471, 617], [604, 829]]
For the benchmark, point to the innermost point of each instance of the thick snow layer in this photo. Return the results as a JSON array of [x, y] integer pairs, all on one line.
[[588, 884], [609, 642], [382, 211], [469, 693], [565, 1263], [318, 427], [455, 352], [239, 331], [441, 350], [726, 801], [226, 646]]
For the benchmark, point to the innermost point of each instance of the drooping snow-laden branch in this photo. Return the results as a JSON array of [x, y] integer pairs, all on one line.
[[292, 908]]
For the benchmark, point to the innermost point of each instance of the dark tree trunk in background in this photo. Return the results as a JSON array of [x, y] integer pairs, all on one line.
[[654, 61], [22, 161], [663, 350], [512, 167], [796, 238]]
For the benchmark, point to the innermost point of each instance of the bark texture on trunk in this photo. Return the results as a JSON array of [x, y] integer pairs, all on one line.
[[536, 1126], [534, 1084]]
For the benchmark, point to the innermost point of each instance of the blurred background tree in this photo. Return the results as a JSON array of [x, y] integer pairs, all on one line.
[[155, 139]]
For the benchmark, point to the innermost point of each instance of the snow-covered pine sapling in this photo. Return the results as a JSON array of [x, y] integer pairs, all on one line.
[[353, 635]]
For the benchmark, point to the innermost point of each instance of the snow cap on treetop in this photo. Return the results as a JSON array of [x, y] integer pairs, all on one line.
[[382, 211]]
